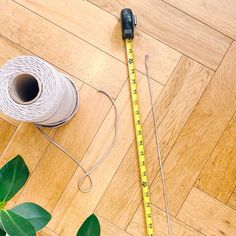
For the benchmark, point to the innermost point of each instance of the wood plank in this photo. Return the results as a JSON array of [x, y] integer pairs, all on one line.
[[56, 168], [9, 119], [137, 225], [216, 13], [78, 18], [70, 53], [47, 232], [232, 200], [199, 136], [107, 229], [75, 205], [208, 215], [30, 147], [6, 132], [123, 195], [174, 28], [218, 178], [10, 50]]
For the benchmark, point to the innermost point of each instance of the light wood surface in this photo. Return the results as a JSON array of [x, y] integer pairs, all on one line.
[[207, 214], [215, 13], [47, 232], [137, 226], [193, 78], [199, 136], [232, 200], [127, 196], [218, 177], [174, 28], [73, 16]]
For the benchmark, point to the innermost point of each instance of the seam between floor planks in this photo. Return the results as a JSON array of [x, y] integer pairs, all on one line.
[[224, 55], [118, 20], [214, 146], [204, 167], [45, 18], [197, 19], [192, 111], [172, 216], [61, 151], [186, 121], [134, 139], [123, 85], [142, 126], [34, 54], [227, 202], [54, 134], [101, 217], [152, 36]]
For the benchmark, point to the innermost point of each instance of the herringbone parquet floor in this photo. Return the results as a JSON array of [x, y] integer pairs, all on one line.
[[193, 70]]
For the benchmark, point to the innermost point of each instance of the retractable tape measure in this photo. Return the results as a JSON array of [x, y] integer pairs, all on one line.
[[128, 22]]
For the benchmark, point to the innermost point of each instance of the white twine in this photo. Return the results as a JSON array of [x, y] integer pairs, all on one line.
[[158, 146], [32, 90], [87, 173]]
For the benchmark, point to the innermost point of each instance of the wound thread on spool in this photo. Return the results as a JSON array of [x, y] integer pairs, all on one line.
[[32, 90]]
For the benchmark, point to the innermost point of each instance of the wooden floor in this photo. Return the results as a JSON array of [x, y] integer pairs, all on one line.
[[193, 69]]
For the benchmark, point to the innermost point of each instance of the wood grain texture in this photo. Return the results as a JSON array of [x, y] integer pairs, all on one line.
[[47, 232], [208, 215], [216, 13], [199, 136], [218, 178], [186, 41], [6, 132], [70, 53], [32, 152], [175, 28], [108, 229], [75, 205], [137, 225], [10, 50], [72, 14], [36, 143], [123, 195], [232, 200], [56, 168]]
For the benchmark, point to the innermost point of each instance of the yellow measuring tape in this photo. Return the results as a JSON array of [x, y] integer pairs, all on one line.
[[139, 136], [128, 21]]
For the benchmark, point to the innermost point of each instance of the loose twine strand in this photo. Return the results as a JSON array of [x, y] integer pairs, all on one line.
[[19, 65], [157, 139], [87, 173], [56, 103]]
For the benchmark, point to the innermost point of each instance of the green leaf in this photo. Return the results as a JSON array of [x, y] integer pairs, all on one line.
[[90, 227], [2, 233], [2, 205], [15, 225], [13, 176], [34, 213]]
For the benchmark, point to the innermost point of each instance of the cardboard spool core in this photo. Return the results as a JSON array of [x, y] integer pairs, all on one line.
[[24, 89]]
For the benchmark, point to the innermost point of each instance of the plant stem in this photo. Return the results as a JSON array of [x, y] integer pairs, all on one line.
[[2, 205]]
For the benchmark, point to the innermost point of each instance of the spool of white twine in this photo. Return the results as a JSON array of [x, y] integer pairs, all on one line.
[[32, 90]]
